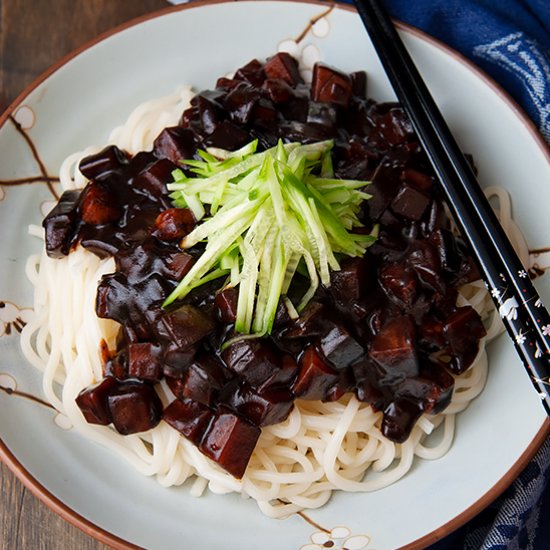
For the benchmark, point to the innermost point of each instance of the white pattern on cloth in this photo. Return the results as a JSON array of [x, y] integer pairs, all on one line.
[[522, 57]]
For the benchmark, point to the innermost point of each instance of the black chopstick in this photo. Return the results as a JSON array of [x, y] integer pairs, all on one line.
[[520, 307]]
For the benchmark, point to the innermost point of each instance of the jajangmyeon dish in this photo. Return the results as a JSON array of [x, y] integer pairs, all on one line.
[[258, 289]]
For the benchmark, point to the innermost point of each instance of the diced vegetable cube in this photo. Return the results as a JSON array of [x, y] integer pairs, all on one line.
[[105, 162], [98, 205], [144, 361], [60, 224], [92, 401], [339, 347], [410, 203], [229, 441], [399, 419], [262, 408], [394, 349], [185, 326], [188, 417], [330, 85], [463, 330], [253, 359], [226, 302], [203, 379], [135, 407], [283, 66], [154, 177], [252, 72], [400, 284], [173, 224], [175, 144], [315, 376], [227, 136]]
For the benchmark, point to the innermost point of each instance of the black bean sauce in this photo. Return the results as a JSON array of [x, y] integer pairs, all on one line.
[[386, 329]]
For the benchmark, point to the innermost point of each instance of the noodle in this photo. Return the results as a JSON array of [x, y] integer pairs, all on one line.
[[297, 464]]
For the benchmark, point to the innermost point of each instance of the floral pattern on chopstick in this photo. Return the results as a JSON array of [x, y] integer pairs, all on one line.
[[508, 308]]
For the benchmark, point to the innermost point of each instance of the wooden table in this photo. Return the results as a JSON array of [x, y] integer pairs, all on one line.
[[33, 35]]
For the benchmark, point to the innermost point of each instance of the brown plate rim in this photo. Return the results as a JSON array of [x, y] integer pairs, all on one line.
[[104, 536]]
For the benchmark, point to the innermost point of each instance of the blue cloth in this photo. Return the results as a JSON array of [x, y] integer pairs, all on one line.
[[510, 41], [517, 520]]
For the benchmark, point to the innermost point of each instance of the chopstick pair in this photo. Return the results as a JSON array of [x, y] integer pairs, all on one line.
[[519, 305]]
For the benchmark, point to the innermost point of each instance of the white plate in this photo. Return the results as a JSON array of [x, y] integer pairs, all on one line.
[[77, 104]]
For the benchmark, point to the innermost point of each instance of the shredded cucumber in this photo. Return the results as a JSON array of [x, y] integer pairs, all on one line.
[[271, 215]]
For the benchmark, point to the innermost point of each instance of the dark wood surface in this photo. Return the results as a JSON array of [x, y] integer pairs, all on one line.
[[34, 34]]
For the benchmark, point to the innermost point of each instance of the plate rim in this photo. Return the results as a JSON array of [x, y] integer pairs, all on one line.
[[102, 535]]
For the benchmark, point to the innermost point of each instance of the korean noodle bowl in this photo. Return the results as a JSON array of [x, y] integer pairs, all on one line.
[[296, 463]]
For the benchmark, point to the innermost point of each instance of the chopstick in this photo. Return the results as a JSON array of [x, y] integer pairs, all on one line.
[[525, 317]]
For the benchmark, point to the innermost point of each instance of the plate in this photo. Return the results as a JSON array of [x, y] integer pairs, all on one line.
[[77, 103]]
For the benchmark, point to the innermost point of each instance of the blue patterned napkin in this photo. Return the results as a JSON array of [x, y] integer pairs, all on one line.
[[510, 41], [518, 520]]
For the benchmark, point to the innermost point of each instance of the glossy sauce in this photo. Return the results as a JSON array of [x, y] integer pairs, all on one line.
[[387, 328]]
